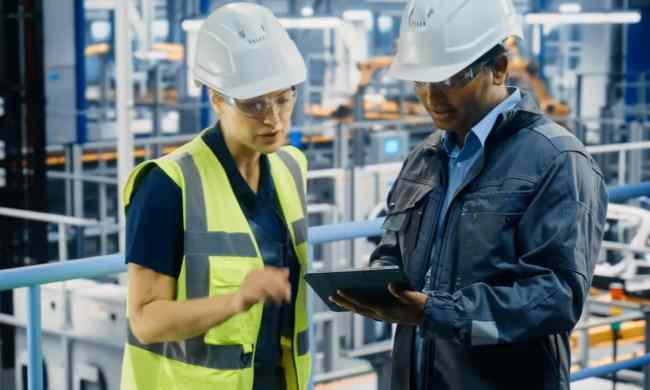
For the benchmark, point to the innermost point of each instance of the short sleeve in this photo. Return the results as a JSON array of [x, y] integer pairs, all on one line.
[[154, 224]]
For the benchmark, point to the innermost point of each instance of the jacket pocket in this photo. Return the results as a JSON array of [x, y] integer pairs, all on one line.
[[405, 208], [226, 277], [488, 230]]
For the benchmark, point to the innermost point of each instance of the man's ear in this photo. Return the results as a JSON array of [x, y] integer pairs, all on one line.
[[500, 70]]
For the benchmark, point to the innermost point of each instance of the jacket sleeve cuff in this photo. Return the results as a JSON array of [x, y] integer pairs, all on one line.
[[441, 319]]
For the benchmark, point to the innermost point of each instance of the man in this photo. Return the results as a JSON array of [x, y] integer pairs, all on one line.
[[216, 231], [496, 220]]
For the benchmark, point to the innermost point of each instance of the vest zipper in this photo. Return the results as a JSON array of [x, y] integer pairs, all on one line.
[[294, 352]]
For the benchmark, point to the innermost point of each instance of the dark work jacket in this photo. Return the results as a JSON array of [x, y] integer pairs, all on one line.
[[512, 272]]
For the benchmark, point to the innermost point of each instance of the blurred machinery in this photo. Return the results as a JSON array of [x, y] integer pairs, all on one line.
[[525, 75], [375, 97], [626, 226]]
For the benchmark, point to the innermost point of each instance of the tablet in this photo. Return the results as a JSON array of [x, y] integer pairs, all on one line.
[[369, 283]]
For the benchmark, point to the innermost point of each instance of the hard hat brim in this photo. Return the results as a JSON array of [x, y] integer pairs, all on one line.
[[258, 88], [266, 86], [413, 72]]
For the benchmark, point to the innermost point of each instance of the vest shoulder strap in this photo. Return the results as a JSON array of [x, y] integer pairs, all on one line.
[[296, 163], [168, 164]]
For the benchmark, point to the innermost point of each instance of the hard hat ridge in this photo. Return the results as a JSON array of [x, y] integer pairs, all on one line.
[[440, 38], [420, 15], [242, 51]]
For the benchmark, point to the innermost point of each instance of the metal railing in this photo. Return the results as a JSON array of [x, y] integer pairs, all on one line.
[[34, 276], [62, 222]]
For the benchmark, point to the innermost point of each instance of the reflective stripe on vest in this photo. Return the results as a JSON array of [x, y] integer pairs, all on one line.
[[300, 226], [199, 245]]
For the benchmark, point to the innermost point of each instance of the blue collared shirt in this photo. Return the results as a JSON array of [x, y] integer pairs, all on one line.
[[461, 161]]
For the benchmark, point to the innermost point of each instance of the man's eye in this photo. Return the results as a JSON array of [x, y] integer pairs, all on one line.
[[254, 106]]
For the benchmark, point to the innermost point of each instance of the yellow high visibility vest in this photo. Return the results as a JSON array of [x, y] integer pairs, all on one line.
[[220, 250]]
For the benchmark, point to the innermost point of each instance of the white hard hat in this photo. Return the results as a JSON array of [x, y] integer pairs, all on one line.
[[242, 51], [439, 38]]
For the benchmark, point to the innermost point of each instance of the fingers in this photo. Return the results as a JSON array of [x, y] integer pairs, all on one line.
[[356, 301], [278, 286], [398, 293], [350, 306], [408, 297]]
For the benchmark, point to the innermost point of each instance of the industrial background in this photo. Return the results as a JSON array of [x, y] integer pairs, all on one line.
[[88, 88]]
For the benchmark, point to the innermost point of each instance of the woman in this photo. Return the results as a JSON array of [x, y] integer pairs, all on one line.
[[216, 231]]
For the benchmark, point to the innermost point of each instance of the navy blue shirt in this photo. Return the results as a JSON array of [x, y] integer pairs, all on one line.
[[154, 234]]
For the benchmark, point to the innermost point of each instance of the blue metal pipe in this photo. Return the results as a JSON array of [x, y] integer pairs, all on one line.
[[55, 272], [34, 333], [630, 191], [345, 231], [610, 368]]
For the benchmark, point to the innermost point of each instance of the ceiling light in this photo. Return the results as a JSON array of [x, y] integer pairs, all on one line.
[[584, 18], [313, 23], [190, 25], [570, 8], [307, 11]]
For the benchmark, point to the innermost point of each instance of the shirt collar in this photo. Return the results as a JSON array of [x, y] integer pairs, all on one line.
[[483, 128], [248, 198]]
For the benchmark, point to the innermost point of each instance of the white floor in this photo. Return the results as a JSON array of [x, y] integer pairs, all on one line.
[[601, 384], [369, 382]]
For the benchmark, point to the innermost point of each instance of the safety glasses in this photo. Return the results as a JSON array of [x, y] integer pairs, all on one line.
[[261, 107], [459, 80]]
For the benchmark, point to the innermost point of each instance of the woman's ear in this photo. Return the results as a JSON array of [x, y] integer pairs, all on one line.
[[216, 101]]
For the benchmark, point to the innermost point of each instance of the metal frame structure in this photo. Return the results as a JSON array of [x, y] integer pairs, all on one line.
[[62, 223], [34, 276]]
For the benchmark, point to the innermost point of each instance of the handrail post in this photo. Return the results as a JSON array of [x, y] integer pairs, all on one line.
[[583, 341], [63, 256], [34, 332], [621, 167], [63, 242], [103, 239]]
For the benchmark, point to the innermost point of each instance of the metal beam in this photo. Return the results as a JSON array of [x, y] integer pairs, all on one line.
[[80, 69], [123, 103]]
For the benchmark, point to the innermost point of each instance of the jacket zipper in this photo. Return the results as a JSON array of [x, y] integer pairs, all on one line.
[[429, 348], [472, 175]]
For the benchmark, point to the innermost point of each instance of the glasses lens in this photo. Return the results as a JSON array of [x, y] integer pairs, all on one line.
[[253, 107], [260, 107], [461, 79]]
